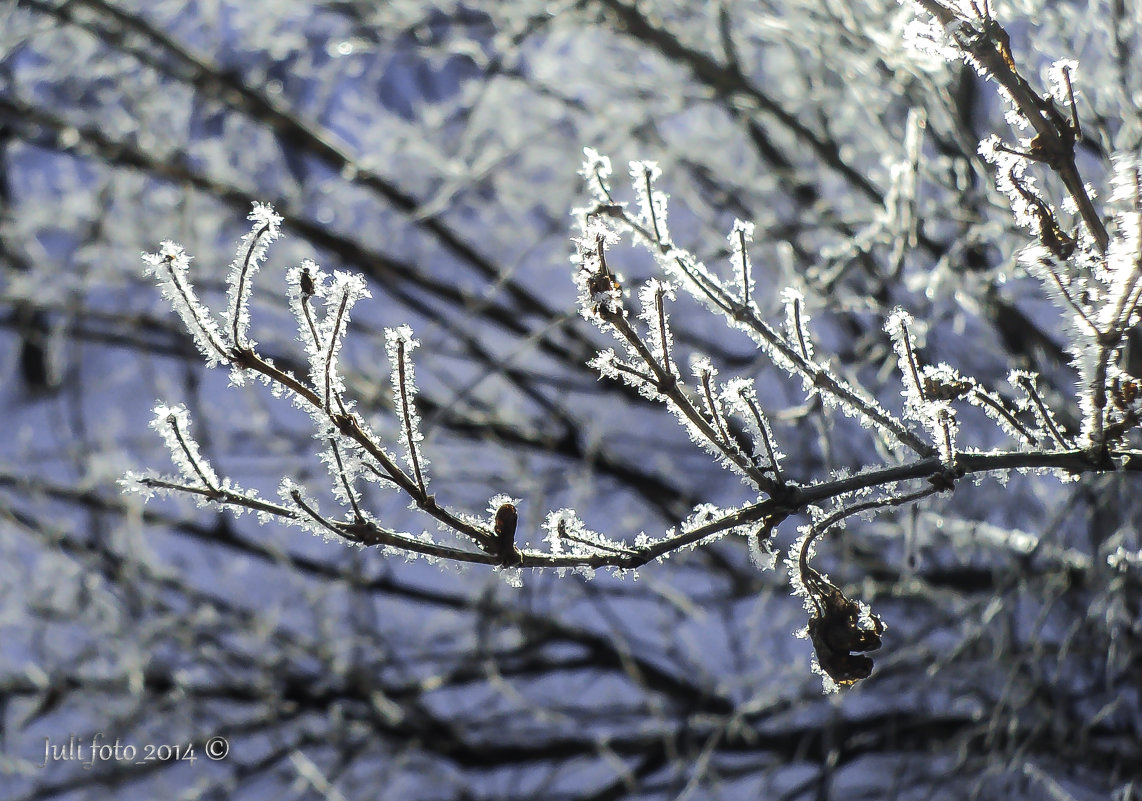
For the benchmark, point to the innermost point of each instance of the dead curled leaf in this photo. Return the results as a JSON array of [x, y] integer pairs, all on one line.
[[841, 631]]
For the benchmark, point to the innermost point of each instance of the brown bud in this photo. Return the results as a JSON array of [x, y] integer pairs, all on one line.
[[307, 288], [936, 389], [504, 527], [602, 282], [1129, 391]]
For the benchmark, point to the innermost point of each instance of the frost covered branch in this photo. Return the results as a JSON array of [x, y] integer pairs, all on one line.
[[724, 418], [744, 315], [983, 42], [1094, 276]]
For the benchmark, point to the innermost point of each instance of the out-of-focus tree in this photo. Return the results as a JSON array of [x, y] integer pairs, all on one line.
[[432, 154]]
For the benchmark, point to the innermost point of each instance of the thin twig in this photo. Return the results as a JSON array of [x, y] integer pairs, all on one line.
[[240, 291], [663, 341], [1041, 410], [406, 417], [745, 267], [334, 333], [997, 406], [173, 422], [712, 408], [763, 427], [345, 481], [799, 328], [184, 295]]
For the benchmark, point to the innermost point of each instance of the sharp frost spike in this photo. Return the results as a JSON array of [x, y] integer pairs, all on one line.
[[928, 38], [609, 365], [173, 425], [567, 535], [701, 515], [701, 366], [761, 553], [141, 483], [1061, 78], [651, 202], [495, 503], [557, 524], [512, 576], [170, 268], [740, 238], [399, 345], [797, 322]]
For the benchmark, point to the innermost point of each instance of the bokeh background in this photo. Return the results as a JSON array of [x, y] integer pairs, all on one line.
[[434, 148]]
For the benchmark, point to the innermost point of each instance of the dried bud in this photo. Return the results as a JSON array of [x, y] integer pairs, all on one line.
[[1125, 392], [504, 527], [602, 283], [308, 290], [937, 389]]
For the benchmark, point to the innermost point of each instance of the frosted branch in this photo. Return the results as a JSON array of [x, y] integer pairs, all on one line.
[[657, 377], [740, 238], [173, 424], [648, 363], [170, 267], [742, 397], [1029, 384], [251, 253], [399, 343], [797, 321], [982, 42]]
